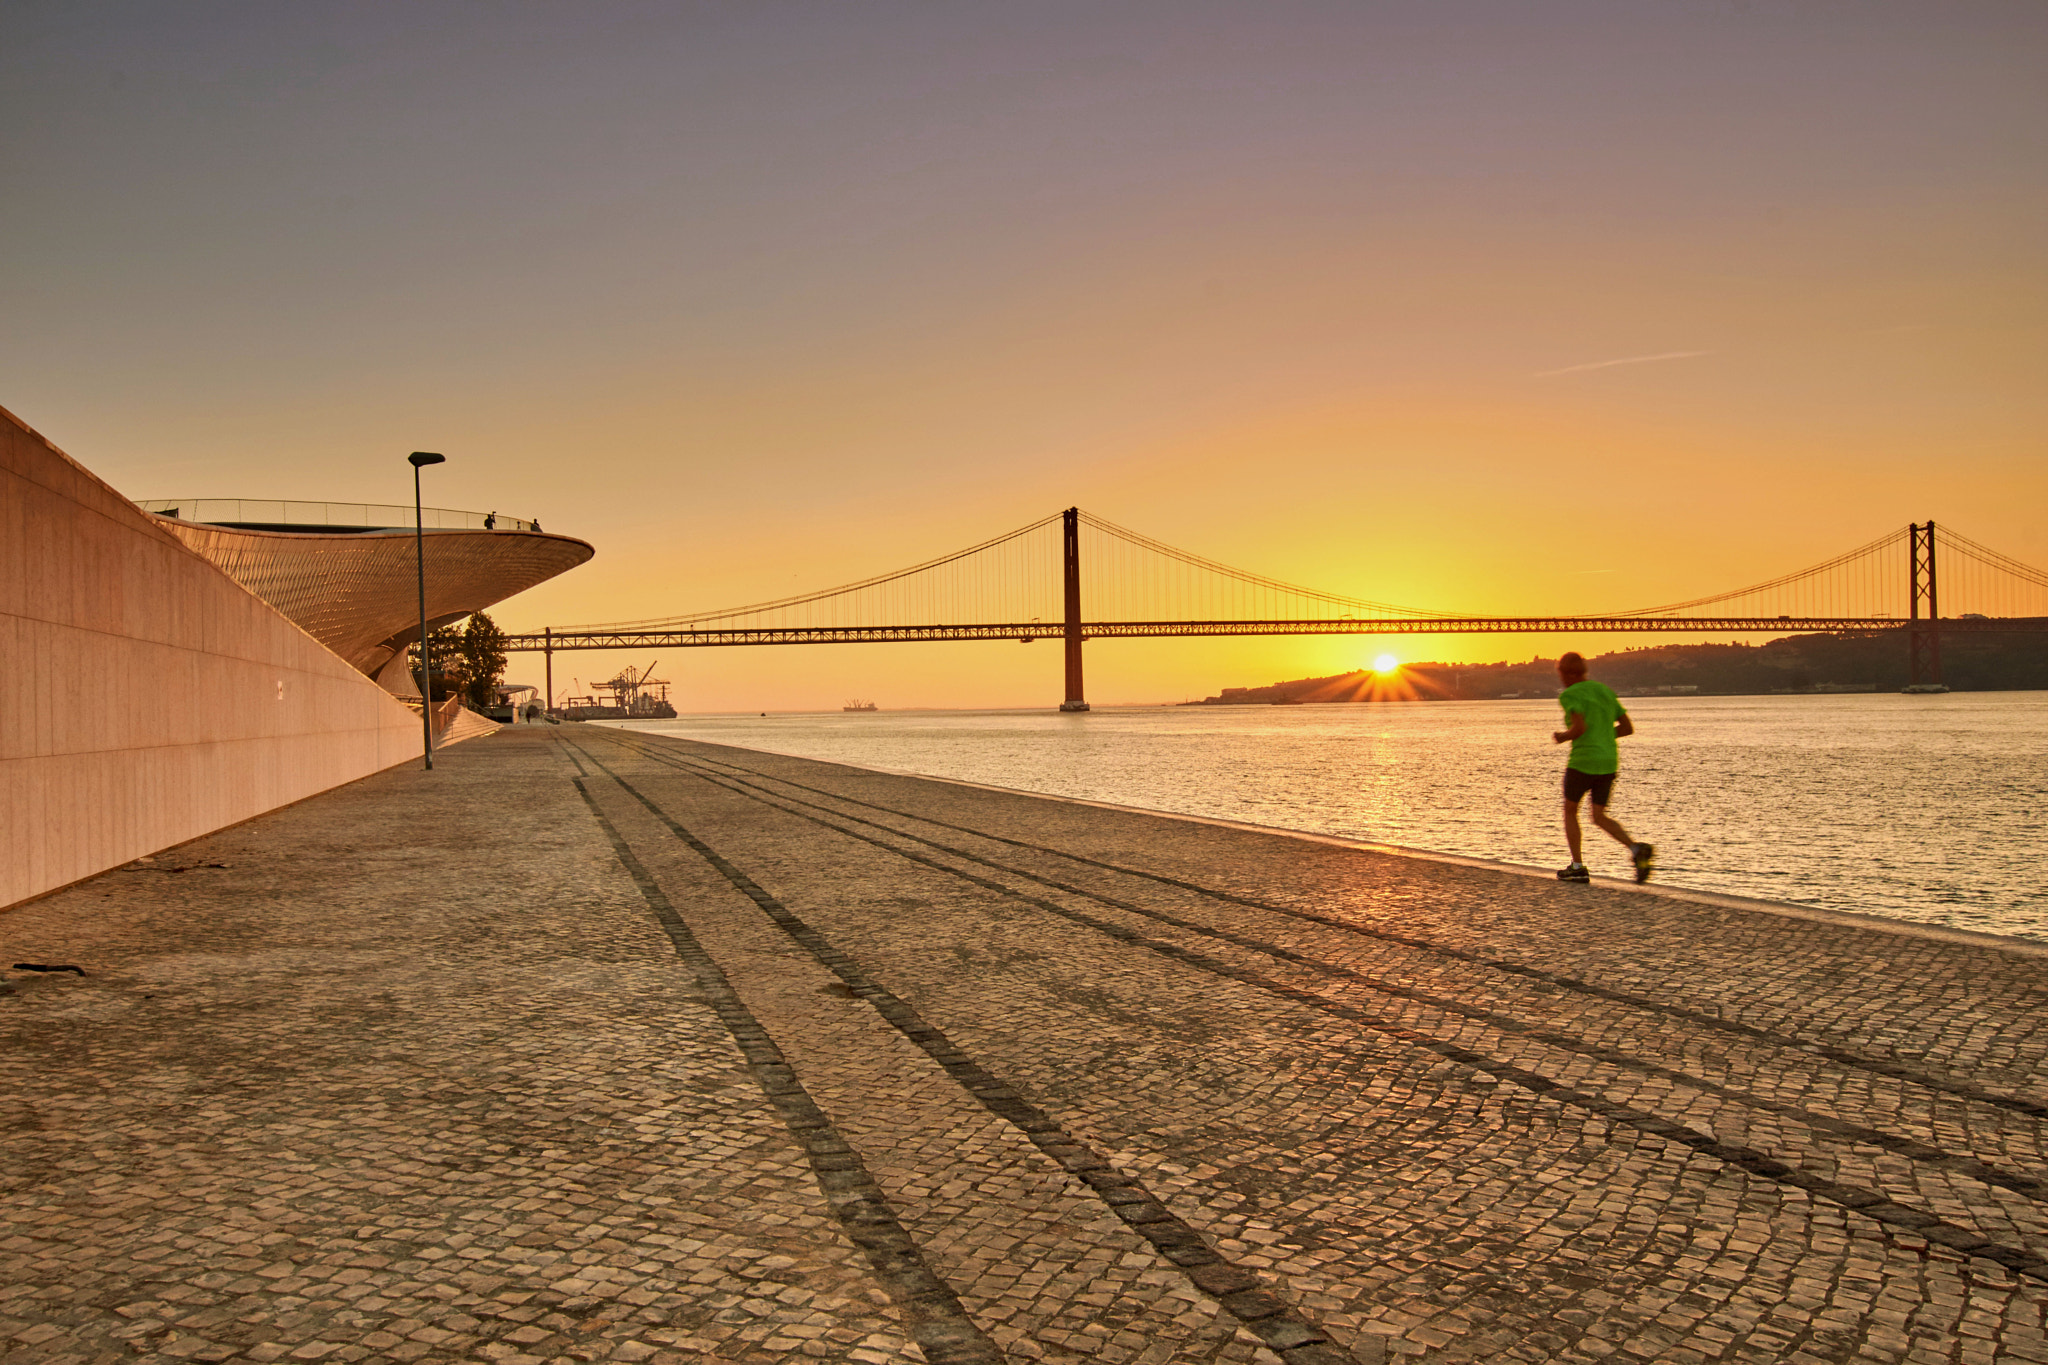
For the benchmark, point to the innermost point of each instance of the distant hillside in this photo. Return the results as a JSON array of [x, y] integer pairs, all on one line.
[[1797, 663]]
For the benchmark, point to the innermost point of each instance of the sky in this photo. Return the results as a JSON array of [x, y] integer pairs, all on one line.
[[1517, 306]]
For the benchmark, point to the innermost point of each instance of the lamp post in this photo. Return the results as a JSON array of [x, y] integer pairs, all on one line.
[[419, 545]]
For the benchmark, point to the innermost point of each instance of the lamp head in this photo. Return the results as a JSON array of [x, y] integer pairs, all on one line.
[[421, 457]]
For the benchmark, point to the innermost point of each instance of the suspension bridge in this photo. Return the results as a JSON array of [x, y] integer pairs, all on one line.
[[1028, 585]]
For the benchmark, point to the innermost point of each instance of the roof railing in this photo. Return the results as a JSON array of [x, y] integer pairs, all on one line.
[[272, 513]]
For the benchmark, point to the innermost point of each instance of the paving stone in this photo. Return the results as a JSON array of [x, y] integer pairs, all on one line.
[[419, 1075], [1422, 1183]]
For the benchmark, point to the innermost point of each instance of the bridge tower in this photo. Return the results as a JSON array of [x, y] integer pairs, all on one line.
[[1070, 525], [1923, 641]]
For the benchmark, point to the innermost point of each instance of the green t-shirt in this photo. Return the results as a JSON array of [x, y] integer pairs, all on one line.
[[1594, 751]]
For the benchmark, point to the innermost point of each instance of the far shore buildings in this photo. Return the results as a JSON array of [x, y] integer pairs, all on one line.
[[174, 667]]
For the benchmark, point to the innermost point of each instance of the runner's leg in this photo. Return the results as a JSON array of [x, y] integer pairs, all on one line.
[[1611, 825]]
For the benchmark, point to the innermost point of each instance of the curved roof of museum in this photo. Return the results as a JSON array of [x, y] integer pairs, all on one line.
[[346, 573]]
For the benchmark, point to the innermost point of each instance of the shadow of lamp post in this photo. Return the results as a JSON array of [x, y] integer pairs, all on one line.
[[419, 545]]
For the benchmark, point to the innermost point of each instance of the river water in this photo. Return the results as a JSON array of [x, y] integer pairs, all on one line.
[[1931, 809]]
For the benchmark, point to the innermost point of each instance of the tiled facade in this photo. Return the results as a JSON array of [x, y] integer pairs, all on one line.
[[357, 593]]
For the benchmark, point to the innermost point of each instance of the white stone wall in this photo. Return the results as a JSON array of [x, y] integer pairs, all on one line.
[[145, 697]]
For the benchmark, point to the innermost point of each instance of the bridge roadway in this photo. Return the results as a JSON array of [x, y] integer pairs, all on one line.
[[1027, 631], [593, 1046]]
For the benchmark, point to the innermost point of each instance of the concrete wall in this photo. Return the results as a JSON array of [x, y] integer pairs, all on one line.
[[145, 697]]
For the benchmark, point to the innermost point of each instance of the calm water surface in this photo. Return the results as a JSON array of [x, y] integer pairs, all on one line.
[[1933, 809]]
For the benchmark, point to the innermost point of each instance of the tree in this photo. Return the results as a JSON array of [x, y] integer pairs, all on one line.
[[482, 653], [450, 677], [468, 662]]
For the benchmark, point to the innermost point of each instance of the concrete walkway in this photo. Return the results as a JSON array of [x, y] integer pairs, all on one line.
[[591, 1045]]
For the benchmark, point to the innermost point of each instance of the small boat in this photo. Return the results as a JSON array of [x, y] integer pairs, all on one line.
[[858, 705]]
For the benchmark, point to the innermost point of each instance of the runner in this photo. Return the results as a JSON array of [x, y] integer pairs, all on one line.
[[1594, 719]]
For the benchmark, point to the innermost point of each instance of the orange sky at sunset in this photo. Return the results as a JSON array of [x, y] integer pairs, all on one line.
[[1491, 307]]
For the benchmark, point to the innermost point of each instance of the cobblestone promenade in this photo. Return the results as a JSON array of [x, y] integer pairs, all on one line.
[[594, 1046]]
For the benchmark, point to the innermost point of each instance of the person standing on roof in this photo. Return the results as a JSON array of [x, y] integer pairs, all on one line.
[[1594, 720]]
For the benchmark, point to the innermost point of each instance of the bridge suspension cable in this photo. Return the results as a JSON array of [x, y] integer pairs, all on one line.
[[1977, 580], [1016, 579], [995, 580], [1136, 578], [1853, 583], [1077, 576]]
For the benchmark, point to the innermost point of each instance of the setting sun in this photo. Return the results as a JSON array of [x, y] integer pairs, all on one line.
[[1386, 663]]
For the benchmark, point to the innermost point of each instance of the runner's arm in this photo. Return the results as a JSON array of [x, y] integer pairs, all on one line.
[[1572, 731], [1623, 726]]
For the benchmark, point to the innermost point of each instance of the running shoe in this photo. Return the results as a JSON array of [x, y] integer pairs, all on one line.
[[1575, 873], [1645, 855]]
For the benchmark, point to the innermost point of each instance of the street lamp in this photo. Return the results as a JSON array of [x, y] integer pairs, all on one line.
[[419, 545]]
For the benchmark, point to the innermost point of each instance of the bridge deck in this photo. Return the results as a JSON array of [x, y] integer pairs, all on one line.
[[1107, 630], [589, 1046]]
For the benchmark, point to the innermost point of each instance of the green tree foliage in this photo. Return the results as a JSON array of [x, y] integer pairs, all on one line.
[[483, 660], [448, 676], [469, 661]]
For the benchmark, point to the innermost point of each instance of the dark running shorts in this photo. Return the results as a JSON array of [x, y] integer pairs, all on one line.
[[1577, 784]]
